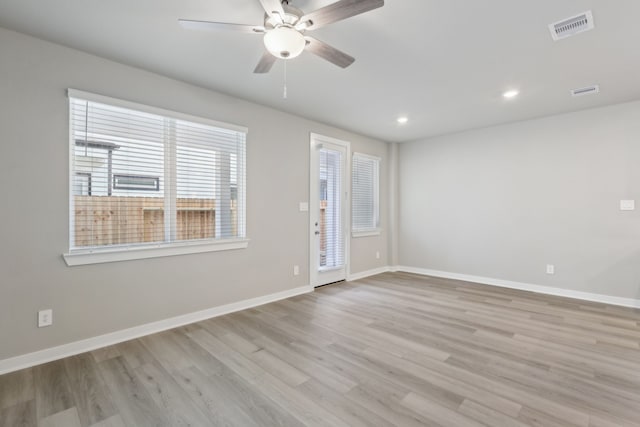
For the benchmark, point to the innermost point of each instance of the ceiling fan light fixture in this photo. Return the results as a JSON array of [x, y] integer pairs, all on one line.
[[284, 42]]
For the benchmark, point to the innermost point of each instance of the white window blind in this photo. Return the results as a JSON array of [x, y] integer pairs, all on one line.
[[365, 193], [331, 235], [143, 176]]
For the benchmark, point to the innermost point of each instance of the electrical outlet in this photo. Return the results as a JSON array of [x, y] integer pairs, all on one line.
[[377, 254], [551, 269], [296, 270], [45, 318]]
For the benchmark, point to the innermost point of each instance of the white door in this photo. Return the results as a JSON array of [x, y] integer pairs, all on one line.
[[328, 210]]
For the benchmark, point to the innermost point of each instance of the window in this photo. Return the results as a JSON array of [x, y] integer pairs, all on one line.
[[146, 181], [365, 195]]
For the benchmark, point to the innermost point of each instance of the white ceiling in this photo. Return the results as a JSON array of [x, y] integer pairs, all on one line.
[[443, 63]]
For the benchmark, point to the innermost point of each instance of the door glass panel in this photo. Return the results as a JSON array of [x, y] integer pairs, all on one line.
[[330, 227]]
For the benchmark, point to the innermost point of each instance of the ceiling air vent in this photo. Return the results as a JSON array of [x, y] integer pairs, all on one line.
[[572, 26], [589, 90]]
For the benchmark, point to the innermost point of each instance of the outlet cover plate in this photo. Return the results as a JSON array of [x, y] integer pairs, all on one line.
[[45, 318]]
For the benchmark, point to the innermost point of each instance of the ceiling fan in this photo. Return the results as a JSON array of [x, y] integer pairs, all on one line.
[[285, 27]]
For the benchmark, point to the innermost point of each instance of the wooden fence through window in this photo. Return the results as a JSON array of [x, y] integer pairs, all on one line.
[[112, 220]]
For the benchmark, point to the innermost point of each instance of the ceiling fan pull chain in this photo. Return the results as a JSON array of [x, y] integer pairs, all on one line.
[[284, 94]]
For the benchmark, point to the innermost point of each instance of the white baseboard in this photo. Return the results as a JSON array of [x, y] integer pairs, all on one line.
[[363, 274], [77, 347], [82, 346], [548, 290]]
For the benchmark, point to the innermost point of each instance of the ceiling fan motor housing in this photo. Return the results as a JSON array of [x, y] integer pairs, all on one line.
[[291, 17]]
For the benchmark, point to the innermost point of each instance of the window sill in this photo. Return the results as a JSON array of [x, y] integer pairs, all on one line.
[[99, 255], [366, 233]]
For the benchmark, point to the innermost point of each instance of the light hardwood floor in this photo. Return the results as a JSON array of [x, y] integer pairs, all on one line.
[[394, 349]]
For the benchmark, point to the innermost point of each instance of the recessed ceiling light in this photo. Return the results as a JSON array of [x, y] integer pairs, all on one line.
[[402, 120], [511, 94]]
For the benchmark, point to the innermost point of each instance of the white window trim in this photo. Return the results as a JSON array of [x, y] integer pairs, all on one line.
[[370, 231], [114, 254], [86, 256]]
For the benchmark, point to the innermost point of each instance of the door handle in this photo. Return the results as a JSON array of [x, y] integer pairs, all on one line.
[[317, 233]]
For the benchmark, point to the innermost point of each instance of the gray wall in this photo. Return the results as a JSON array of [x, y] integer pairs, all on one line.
[[97, 299], [505, 201]]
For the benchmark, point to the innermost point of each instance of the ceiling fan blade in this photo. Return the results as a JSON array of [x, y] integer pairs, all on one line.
[[337, 11], [265, 63], [273, 7], [329, 53], [220, 26]]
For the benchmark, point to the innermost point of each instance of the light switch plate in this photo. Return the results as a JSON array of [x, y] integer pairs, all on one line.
[[304, 207], [627, 205]]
